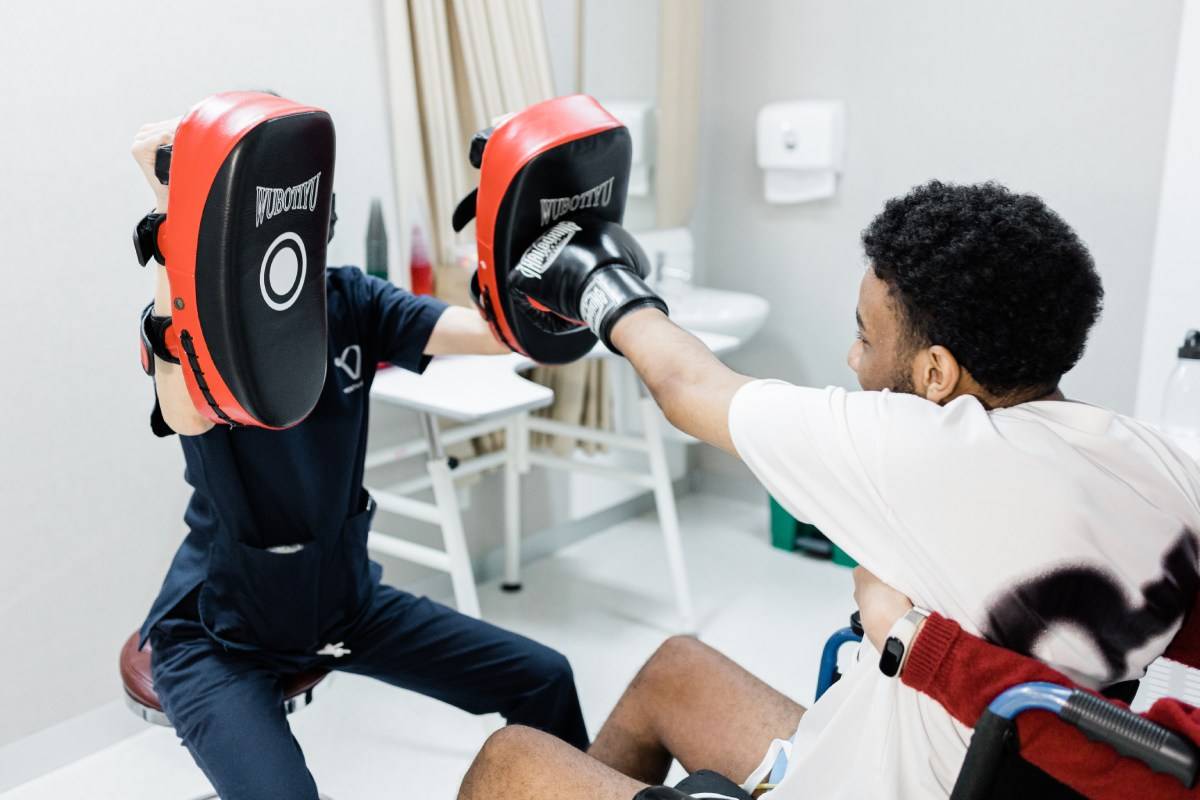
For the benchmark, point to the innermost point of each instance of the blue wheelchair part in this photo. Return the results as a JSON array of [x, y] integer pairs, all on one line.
[[1028, 696], [1129, 734], [828, 673], [827, 676], [995, 734]]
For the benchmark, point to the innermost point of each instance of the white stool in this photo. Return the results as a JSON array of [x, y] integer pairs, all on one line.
[[485, 394]]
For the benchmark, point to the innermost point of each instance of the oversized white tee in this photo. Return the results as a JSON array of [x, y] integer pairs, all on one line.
[[1042, 527]]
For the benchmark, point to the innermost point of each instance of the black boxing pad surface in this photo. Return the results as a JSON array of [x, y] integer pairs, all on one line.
[[557, 158], [583, 175], [260, 266]]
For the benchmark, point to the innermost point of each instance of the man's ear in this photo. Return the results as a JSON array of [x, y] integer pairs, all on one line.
[[937, 374]]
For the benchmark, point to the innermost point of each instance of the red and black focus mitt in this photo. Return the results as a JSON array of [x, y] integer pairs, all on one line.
[[552, 188], [243, 241]]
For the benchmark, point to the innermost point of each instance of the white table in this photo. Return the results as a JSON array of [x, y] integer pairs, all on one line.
[[484, 394]]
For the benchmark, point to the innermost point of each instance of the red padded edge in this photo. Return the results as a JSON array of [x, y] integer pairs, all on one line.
[[204, 138], [512, 145]]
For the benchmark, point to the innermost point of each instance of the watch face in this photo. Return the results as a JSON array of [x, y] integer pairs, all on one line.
[[893, 654]]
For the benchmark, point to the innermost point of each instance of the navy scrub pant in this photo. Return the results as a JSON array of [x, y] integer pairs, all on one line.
[[227, 706]]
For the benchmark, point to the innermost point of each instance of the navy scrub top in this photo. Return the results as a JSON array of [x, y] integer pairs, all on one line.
[[278, 520]]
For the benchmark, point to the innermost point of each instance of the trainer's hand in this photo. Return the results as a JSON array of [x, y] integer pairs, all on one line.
[[879, 605], [586, 269], [146, 142]]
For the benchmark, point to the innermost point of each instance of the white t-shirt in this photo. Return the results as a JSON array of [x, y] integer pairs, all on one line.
[[1039, 526]]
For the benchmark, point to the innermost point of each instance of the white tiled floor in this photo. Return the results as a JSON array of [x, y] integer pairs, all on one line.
[[605, 602]]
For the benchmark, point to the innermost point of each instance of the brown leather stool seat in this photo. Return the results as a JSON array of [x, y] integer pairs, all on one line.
[[143, 700]]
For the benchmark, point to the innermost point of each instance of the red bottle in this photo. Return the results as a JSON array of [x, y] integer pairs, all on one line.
[[421, 270]]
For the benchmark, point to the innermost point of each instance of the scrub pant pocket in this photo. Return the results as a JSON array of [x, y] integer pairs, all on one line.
[[255, 598]]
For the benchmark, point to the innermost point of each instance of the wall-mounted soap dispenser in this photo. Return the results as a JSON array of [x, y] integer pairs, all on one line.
[[800, 147]]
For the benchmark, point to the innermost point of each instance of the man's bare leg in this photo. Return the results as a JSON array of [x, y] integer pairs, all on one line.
[[688, 701], [519, 763], [694, 704]]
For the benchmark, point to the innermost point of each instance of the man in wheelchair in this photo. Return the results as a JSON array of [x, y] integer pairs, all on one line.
[[961, 475], [1111, 754]]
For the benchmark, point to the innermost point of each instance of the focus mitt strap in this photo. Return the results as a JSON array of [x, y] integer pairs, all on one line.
[[145, 238], [157, 339]]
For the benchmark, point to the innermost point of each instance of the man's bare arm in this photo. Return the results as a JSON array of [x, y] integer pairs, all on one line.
[[461, 330], [173, 398], [689, 383]]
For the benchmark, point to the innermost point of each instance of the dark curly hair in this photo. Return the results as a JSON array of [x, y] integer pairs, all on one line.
[[995, 277]]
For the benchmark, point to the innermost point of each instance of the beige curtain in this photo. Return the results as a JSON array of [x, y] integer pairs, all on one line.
[[453, 67], [680, 25]]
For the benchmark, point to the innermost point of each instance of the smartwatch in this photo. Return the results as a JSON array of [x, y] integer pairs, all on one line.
[[154, 339], [899, 641]]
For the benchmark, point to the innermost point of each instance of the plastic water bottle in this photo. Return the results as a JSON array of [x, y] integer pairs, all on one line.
[[1181, 401], [377, 242], [420, 267]]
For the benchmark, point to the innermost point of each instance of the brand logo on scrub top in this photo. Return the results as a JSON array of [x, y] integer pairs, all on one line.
[[596, 197], [270, 202], [350, 362], [546, 248]]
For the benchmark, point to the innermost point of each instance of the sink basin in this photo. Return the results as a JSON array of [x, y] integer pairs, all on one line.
[[734, 314]]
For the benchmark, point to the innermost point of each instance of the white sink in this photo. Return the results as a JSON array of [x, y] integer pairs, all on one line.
[[734, 314]]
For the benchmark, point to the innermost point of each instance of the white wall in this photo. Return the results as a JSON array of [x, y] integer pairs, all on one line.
[[1174, 304], [1065, 99], [90, 502], [620, 63]]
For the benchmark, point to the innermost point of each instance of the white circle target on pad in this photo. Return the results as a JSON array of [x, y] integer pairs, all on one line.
[[281, 276]]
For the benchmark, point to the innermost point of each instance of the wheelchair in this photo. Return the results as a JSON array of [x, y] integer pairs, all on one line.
[[994, 769]]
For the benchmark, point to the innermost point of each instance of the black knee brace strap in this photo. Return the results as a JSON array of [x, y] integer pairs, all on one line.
[[712, 784], [660, 793]]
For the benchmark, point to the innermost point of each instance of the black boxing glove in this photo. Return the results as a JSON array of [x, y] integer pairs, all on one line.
[[587, 270]]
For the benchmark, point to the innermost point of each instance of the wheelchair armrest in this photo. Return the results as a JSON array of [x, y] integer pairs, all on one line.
[[1129, 734], [1159, 748]]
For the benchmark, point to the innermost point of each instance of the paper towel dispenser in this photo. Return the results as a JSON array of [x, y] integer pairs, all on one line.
[[800, 148]]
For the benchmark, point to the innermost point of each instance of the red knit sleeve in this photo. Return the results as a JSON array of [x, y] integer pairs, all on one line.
[[964, 673]]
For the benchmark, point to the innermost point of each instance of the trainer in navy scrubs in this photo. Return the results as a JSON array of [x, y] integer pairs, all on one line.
[[273, 577]]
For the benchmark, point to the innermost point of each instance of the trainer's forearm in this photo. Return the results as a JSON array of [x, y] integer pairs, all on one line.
[[173, 398], [689, 383], [460, 330]]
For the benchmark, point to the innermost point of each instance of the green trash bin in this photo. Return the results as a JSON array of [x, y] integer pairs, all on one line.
[[783, 527], [788, 533], [840, 558]]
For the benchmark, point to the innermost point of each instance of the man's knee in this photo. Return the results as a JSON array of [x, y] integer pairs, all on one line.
[[503, 755], [510, 744], [674, 657]]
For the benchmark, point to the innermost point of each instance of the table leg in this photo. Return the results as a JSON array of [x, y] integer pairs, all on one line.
[[512, 505], [462, 576], [668, 517]]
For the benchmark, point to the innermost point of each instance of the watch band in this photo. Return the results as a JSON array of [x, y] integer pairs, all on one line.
[[156, 339], [899, 641]]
